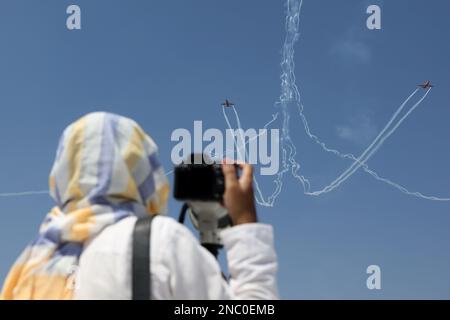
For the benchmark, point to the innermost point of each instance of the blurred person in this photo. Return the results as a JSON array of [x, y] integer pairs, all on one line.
[[107, 174]]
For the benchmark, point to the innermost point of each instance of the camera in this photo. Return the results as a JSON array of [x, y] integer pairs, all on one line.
[[199, 179], [200, 184]]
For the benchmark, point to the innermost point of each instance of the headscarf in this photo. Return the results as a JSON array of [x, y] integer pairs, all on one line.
[[106, 169]]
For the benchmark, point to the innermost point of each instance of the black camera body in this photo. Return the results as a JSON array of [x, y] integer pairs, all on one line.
[[200, 184], [199, 181]]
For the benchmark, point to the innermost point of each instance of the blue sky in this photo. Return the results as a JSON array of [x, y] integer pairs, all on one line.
[[168, 63]]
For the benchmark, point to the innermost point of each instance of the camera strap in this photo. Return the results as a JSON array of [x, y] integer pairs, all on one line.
[[140, 272]]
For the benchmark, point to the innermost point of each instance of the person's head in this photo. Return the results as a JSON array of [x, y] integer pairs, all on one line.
[[107, 159]]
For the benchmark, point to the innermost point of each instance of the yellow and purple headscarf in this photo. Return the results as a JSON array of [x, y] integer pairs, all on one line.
[[106, 169]]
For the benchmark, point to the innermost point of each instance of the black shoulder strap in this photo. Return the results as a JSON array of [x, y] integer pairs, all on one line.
[[141, 281]]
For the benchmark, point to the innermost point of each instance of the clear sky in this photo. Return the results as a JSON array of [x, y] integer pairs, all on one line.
[[168, 63]]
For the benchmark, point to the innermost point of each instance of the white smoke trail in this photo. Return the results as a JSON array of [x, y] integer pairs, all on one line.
[[39, 192], [24, 193], [291, 94], [365, 167], [288, 82], [323, 145], [374, 146], [259, 196], [230, 151], [403, 189]]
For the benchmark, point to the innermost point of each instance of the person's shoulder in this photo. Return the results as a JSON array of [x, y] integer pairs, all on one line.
[[170, 226], [115, 238]]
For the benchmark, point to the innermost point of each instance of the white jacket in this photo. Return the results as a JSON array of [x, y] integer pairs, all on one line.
[[180, 267]]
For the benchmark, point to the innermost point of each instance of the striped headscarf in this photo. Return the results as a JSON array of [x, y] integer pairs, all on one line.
[[106, 169]]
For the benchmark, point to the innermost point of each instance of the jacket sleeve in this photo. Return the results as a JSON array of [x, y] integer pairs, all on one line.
[[252, 263]]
